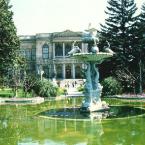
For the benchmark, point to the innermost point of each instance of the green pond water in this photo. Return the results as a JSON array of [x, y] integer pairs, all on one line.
[[21, 125]]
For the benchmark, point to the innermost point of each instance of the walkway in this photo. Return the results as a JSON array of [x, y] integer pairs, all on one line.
[[73, 92]]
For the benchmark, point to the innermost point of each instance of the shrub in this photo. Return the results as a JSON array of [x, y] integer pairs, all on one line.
[[61, 91], [80, 88], [111, 87], [45, 88]]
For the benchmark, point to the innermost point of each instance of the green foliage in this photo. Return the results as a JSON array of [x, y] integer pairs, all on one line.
[[28, 83], [111, 86], [61, 91], [8, 92], [118, 26], [139, 49], [124, 30], [45, 88], [9, 42], [119, 31], [80, 88]]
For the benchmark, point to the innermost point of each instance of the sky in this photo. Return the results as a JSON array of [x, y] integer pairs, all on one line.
[[46, 16]]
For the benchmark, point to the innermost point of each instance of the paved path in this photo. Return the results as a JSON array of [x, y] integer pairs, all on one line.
[[74, 92]]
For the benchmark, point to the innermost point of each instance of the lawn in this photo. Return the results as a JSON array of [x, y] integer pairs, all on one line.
[[8, 93]]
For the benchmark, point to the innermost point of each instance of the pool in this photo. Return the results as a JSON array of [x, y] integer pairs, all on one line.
[[22, 125]]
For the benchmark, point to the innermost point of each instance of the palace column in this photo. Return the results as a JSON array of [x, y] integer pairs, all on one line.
[[83, 47], [63, 71], [63, 49], [53, 50], [73, 71]]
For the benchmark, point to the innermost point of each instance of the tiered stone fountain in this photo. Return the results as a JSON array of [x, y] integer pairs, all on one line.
[[93, 88]]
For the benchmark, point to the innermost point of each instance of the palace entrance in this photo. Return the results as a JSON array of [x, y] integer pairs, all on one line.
[[68, 71]]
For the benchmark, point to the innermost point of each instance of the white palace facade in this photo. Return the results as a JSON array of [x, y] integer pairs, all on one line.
[[48, 52]]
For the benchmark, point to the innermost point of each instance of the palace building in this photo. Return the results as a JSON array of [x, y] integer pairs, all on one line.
[[48, 53]]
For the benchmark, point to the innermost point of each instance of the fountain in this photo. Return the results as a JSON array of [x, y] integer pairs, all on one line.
[[92, 108], [93, 88]]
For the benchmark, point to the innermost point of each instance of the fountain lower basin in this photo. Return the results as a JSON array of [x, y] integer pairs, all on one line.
[[75, 113]]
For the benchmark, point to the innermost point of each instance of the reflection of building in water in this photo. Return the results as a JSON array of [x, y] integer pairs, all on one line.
[[98, 115], [64, 132], [50, 50]]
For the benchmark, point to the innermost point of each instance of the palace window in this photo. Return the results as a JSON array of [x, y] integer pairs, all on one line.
[[22, 52], [58, 49], [46, 71], [33, 53], [68, 71], [45, 51], [68, 47], [28, 54], [59, 71], [78, 72]]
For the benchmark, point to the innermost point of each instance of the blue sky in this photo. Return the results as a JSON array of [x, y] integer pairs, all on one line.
[[44, 16]]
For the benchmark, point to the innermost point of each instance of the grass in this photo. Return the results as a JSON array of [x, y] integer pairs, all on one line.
[[9, 93], [6, 92], [116, 101]]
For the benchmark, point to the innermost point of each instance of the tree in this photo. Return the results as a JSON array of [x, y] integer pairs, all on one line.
[[9, 42], [128, 79], [120, 30], [117, 29], [139, 47], [111, 86], [28, 84]]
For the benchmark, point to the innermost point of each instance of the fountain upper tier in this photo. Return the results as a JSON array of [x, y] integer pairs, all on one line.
[[91, 57]]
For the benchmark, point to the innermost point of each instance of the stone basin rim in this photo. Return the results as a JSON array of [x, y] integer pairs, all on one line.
[[104, 119], [92, 57]]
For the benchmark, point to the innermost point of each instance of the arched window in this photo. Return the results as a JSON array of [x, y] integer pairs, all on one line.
[[45, 51]]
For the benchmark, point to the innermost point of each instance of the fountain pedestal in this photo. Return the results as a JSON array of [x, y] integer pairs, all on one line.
[[93, 88]]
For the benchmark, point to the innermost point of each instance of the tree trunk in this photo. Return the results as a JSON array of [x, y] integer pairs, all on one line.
[[140, 76]]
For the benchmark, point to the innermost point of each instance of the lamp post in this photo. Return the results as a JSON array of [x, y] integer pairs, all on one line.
[[40, 72], [54, 74], [16, 81]]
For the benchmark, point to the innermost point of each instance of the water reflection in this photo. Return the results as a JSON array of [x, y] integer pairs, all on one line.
[[46, 142], [98, 115], [17, 127], [58, 132]]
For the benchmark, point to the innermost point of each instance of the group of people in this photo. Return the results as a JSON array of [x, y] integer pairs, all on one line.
[[70, 83]]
